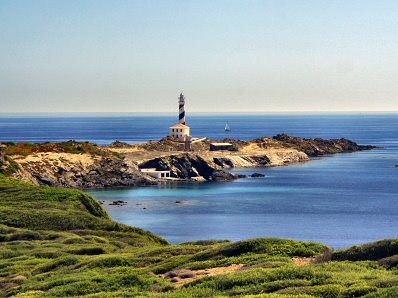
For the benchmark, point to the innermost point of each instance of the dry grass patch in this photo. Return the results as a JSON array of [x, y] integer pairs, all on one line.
[[181, 277]]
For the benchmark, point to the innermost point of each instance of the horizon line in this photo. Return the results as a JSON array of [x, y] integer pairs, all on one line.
[[211, 112]]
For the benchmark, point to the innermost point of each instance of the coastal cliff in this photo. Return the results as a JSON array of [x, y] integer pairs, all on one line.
[[189, 166], [71, 164], [87, 166], [82, 171]]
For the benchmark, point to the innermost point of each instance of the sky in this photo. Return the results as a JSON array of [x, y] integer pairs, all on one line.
[[226, 56]]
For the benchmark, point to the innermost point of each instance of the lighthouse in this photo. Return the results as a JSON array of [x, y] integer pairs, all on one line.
[[181, 109], [180, 131]]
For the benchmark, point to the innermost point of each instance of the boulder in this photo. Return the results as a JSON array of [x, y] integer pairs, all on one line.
[[257, 175], [223, 162]]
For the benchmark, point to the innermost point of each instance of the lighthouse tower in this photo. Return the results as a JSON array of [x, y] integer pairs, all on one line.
[[180, 131], [181, 110]]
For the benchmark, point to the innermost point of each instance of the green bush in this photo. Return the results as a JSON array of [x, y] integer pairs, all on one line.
[[53, 265], [270, 246], [371, 251], [89, 251], [8, 166], [359, 290]]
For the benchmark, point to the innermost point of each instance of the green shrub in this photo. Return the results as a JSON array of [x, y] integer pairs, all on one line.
[[271, 246], [371, 251], [73, 147], [205, 242], [8, 166], [324, 291], [359, 290], [112, 261], [89, 251], [22, 235], [53, 265], [383, 293]]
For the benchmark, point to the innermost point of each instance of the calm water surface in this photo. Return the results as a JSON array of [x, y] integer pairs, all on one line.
[[340, 200]]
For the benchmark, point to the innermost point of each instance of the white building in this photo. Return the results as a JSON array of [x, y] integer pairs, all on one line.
[[180, 132], [155, 173]]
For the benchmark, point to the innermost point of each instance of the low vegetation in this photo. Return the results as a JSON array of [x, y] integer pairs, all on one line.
[[24, 148], [60, 243]]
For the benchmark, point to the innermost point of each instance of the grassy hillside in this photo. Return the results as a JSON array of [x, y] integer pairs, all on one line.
[[60, 243]]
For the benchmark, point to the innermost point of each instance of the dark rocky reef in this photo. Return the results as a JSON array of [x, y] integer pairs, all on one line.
[[257, 175], [188, 166], [318, 147]]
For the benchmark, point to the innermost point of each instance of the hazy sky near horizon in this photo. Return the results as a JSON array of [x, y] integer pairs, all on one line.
[[226, 56]]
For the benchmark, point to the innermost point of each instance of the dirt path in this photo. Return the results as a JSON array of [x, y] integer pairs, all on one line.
[[302, 261], [181, 277]]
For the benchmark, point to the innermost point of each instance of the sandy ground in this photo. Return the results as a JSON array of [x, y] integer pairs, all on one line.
[[184, 276], [302, 261], [85, 160], [181, 277]]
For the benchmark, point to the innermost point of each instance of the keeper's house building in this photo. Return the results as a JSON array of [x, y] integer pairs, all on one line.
[[179, 132]]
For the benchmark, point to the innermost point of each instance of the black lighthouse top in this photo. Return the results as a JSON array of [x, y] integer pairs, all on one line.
[[181, 110]]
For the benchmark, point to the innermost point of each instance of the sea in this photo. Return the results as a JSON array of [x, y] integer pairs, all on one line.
[[340, 200]]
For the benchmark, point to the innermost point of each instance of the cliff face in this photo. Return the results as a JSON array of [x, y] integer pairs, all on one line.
[[260, 158], [79, 171], [189, 166]]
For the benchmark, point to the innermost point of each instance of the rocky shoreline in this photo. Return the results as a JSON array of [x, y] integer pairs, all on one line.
[[88, 166]]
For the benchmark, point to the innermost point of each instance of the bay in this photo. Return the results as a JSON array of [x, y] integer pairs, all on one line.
[[339, 200]]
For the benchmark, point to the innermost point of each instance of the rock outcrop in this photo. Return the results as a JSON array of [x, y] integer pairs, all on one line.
[[317, 147], [261, 158], [82, 171], [188, 166], [257, 175]]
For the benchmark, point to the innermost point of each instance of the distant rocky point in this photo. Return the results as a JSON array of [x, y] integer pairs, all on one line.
[[85, 165]]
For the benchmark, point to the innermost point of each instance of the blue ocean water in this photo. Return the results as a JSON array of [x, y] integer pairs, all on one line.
[[339, 200]]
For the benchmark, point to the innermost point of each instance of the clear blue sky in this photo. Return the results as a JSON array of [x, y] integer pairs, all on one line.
[[136, 56]]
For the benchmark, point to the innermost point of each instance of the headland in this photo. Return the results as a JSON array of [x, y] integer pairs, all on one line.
[[86, 165]]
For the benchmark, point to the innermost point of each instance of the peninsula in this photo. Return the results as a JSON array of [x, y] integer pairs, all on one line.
[[85, 165]]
